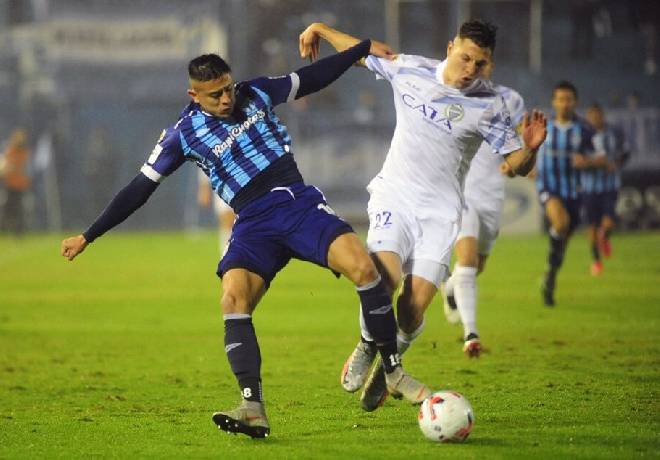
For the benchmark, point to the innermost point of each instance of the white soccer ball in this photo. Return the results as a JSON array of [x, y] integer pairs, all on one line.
[[446, 416]]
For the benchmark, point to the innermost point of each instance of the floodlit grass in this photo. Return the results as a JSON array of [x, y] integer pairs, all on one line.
[[120, 354]]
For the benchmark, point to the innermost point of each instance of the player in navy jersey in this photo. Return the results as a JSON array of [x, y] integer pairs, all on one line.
[[567, 149], [231, 132], [600, 186]]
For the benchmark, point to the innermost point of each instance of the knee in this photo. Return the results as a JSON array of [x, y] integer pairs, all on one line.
[[363, 271], [470, 259], [231, 302], [561, 227]]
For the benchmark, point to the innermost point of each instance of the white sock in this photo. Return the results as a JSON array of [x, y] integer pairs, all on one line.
[[465, 293], [404, 340], [449, 285]]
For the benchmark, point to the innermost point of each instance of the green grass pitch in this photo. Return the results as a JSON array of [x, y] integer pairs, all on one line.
[[119, 354]]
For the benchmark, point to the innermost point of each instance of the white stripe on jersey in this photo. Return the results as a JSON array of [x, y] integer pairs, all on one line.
[[151, 173], [295, 84], [438, 130]]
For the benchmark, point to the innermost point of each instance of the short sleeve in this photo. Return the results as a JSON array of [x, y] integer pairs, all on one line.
[[383, 68], [516, 106], [165, 158], [496, 128]]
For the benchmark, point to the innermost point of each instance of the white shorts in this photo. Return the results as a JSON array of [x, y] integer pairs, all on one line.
[[423, 244], [219, 206], [484, 225]]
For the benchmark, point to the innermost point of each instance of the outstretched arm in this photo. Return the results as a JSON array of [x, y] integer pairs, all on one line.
[[310, 42], [320, 74], [582, 161], [127, 201], [522, 161]]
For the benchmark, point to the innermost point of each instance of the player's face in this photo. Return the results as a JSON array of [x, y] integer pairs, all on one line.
[[466, 61], [563, 103], [214, 96], [595, 117]]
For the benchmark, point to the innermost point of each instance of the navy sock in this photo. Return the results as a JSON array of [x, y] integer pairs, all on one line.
[[595, 253], [556, 256], [243, 354], [381, 323]]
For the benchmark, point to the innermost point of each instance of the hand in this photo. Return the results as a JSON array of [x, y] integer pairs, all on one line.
[[73, 246], [534, 129], [309, 42], [382, 50], [506, 170], [579, 161]]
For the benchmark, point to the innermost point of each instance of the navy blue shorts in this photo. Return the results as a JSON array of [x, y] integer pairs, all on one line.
[[572, 207], [599, 205], [288, 222]]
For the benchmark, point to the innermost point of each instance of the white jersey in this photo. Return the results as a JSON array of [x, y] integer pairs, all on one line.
[[484, 184], [438, 131]]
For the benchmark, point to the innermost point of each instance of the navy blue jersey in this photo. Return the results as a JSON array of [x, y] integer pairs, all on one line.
[[609, 142], [231, 151], [555, 173]]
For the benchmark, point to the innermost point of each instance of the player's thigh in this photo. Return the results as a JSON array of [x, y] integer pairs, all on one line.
[[489, 229], [241, 291], [433, 249], [254, 248], [557, 214], [348, 256], [609, 211], [466, 243], [594, 205], [416, 295]]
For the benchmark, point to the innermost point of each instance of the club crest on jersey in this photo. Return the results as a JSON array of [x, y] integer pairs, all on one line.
[[454, 112], [428, 112]]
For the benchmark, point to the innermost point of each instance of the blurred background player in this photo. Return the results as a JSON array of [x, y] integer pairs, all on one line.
[[17, 182], [223, 212], [444, 111], [230, 131], [567, 150], [480, 226], [600, 186]]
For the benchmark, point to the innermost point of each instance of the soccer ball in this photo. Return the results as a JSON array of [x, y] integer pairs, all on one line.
[[446, 416]]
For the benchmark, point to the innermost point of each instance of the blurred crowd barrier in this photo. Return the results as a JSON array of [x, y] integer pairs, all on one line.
[[93, 83]]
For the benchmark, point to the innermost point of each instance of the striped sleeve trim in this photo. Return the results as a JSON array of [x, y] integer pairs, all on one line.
[[151, 173], [295, 84]]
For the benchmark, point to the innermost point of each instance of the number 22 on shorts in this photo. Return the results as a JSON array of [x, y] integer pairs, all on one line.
[[382, 220]]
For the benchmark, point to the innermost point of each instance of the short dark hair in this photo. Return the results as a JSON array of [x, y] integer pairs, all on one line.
[[207, 67], [567, 85], [596, 106], [483, 33]]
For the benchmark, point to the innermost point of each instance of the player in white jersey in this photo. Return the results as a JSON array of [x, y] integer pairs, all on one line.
[[480, 225], [443, 113]]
